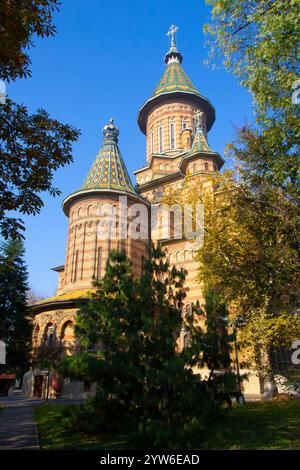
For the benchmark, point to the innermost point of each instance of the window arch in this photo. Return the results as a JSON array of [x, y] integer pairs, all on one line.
[[75, 272], [68, 337], [49, 334], [99, 261], [206, 166], [160, 139], [195, 168], [184, 124], [172, 135], [152, 142]]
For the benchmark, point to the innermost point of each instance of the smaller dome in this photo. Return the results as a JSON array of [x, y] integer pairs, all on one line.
[[110, 132]]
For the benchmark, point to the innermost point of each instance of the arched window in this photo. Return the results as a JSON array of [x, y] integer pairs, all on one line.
[[195, 168], [206, 166], [76, 266], [184, 124], [99, 259], [49, 335], [178, 256], [68, 337], [161, 167], [160, 139], [152, 142], [172, 135]]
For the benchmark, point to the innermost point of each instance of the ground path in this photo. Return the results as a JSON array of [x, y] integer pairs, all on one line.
[[17, 427]]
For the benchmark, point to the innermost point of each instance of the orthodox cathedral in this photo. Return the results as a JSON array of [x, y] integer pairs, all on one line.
[[175, 121]]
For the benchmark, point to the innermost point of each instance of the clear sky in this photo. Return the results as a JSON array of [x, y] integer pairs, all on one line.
[[105, 61]]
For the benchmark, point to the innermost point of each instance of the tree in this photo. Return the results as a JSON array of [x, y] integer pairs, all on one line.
[[33, 146], [141, 378], [255, 254], [15, 320], [251, 256], [209, 346], [20, 21], [259, 42]]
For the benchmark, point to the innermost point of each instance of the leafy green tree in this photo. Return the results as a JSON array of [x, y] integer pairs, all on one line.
[[209, 346], [15, 320], [20, 21], [259, 42], [33, 146], [255, 256], [143, 386]]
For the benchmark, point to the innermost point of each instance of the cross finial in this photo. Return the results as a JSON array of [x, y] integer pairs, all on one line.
[[199, 120], [172, 30]]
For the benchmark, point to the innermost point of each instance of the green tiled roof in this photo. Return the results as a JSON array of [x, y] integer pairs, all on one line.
[[175, 79], [108, 170]]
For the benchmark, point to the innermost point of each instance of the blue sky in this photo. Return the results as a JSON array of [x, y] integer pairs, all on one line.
[[106, 60]]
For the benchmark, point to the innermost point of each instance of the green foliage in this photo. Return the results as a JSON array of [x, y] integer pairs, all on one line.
[[209, 346], [20, 21], [141, 377], [32, 147], [259, 42], [15, 321], [251, 251]]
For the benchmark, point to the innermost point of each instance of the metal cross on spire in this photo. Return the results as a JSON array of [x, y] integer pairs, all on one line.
[[172, 30]]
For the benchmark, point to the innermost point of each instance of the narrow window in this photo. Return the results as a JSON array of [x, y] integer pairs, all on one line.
[[184, 124], [160, 139], [206, 166], [172, 135], [76, 266], [152, 142]]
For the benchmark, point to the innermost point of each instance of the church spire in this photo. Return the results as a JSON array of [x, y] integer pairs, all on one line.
[[108, 171], [173, 54]]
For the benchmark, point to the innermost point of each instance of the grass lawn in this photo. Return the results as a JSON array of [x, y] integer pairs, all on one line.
[[260, 425]]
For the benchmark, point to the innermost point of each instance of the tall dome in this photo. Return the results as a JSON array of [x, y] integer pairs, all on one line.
[[108, 170], [175, 85]]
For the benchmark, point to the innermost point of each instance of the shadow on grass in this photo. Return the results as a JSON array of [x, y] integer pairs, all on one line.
[[261, 425]]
